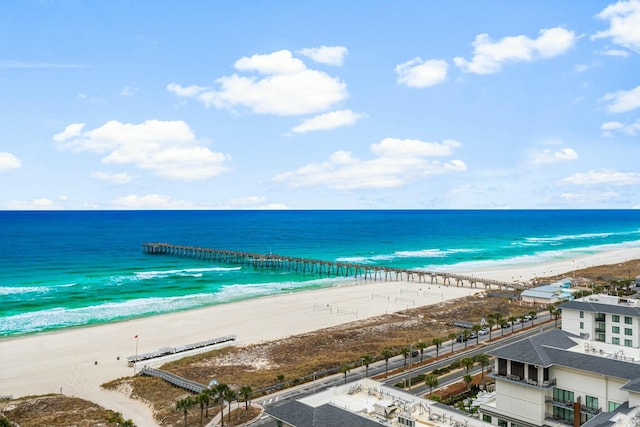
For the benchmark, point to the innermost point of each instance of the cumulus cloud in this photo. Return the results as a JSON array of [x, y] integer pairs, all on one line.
[[279, 84], [490, 56], [603, 177], [420, 73], [329, 121], [329, 55], [167, 148], [397, 162], [623, 100], [8, 161], [614, 52], [624, 24], [609, 129], [114, 178], [547, 156], [255, 203], [590, 197]]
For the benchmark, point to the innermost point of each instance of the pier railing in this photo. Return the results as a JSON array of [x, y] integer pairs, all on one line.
[[326, 268]]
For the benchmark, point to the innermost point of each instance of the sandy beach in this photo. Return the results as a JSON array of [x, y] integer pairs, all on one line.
[[76, 361]]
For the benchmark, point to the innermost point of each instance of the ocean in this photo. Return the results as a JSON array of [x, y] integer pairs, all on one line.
[[64, 269]]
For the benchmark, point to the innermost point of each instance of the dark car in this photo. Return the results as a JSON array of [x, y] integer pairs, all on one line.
[[461, 338], [414, 353]]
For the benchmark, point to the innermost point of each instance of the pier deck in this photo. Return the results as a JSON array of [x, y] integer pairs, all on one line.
[[326, 268]]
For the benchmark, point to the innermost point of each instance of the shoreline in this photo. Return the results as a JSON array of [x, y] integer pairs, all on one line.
[[76, 361]]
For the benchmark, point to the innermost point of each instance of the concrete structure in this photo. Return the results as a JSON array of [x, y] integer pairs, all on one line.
[[566, 377]]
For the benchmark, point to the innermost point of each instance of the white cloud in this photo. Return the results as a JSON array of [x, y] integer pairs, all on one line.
[[603, 177], [624, 24], [284, 86], [547, 156], [168, 148], [128, 91], [398, 162], [8, 161], [150, 201], [329, 55], [329, 121], [610, 128], [114, 178], [71, 131], [489, 56], [581, 68], [185, 91], [420, 73], [623, 100], [33, 205], [615, 52], [254, 203]]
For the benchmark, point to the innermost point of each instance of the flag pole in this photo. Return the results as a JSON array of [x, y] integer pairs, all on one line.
[[136, 359]]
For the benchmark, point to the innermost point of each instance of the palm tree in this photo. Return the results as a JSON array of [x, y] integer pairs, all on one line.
[[503, 324], [386, 353], [533, 315], [229, 395], [366, 361], [203, 399], [556, 314], [476, 328], [467, 380], [467, 362], [421, 345], [405, 352], [512, 320], [452, 336], [437, 342], [280, 379], [491, 322], [465, 335], [345, 368], [245, 392], [220, 391], [184, 405], [483, 360], [431, 381]]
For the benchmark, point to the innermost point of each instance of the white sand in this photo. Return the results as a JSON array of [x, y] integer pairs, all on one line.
[[51, 362]]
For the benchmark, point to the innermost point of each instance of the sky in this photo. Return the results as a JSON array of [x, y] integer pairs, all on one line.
[[499, 104]]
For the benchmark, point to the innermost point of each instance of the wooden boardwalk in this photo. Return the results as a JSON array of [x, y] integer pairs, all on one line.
[[326, 268]]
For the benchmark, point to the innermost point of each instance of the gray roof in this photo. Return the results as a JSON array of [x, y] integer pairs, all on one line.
[[603, 419], [551, 348], [530, 350], [596, 307], [299, 414]]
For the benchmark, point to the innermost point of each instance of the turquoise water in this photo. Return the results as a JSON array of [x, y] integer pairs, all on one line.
[[62, 269]]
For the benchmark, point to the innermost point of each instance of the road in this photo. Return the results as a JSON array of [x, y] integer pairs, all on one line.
[[460, 350]]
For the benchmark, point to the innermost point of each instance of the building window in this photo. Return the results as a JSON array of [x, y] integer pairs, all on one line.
[[563, 414], [502, 423], [591, 402], [601, 317], [615, 340], [600, 336], [613, 406], [615, 329], [615, 318], [560, 395], [582, 314], [628, 331], [628, 343], [486, 418], [628, 320], [581, 325]]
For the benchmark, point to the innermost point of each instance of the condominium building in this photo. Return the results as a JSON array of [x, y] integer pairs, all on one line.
[[585, 374]]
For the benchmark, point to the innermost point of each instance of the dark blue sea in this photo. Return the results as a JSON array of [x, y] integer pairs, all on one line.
[[62, 269]]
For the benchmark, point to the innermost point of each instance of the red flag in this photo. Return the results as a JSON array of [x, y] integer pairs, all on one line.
[[136, 337]]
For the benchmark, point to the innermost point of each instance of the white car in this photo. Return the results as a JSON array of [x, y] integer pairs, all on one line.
[[483, 331]]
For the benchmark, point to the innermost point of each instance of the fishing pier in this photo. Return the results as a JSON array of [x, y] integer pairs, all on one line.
[[326, 268]]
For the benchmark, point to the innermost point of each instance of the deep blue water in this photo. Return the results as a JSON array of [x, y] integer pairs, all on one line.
[[61, 269]]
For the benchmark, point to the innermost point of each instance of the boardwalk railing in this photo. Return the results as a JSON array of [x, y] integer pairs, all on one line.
[[328, 268], [173, 379], [165, 351]]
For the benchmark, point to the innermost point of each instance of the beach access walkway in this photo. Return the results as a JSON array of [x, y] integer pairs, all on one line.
[[327, 268]]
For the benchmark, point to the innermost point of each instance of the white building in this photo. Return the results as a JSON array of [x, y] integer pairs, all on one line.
[[566, 377]]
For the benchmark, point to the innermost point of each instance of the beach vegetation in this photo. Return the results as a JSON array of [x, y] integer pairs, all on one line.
[[183, 405]]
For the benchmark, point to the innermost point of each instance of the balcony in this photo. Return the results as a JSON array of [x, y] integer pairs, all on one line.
[[556, 419], [601, 330], [593, 411], [530, 382], [568, 404]]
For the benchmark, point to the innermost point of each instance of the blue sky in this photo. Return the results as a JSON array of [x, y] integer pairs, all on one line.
[[319, 104]]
